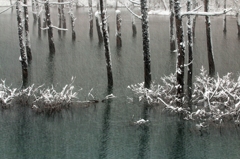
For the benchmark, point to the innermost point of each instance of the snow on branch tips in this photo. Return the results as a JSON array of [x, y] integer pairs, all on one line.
[[138, 16], [207, 13]]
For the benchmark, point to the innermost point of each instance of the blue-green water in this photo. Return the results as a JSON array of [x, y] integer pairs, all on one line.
[[105, 130]]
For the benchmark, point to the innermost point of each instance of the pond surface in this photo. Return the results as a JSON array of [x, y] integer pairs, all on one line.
[[104, 130]]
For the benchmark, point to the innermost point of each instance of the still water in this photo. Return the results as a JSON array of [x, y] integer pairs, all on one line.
[[104, 130]]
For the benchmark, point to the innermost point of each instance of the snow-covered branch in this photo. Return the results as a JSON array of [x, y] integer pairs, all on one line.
[[207, 13], [45, 28], [134, 2], [139, 17], [56, 3], [59, 28]]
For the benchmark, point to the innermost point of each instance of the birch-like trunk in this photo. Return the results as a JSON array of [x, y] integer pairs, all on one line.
[[34, 10], [50, 29], [225, 18], [26, 28], [209, 40], [146, 44], [190, 52], [98, 26], [90, 13], [171, 27], [118, 28], [180, 52], [23, 56], [106, 44]]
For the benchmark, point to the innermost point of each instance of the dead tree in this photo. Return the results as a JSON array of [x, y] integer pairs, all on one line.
[[180, 52], [238, 16], [225, 18], [195, 4], [23, 56], [209, 40], [63, 15], [39, 9], [106, 44], [190, 52], [146, 40], [49, 27], [59, 16], [26, 28], [172, 35]]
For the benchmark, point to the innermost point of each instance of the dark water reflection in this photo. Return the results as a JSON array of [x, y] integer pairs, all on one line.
[[104, 130]]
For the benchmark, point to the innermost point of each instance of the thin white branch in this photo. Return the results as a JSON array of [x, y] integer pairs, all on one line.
[[207, 13], [45, 28], [59, 28], [139, 17], [57, 3], [185, 65]]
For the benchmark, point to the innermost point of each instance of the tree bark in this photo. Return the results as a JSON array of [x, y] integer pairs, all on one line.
[[225, 18], [72, 21], [118, 28], [106, 44], [50, 29], [26, 27], [180, 53], [190, 52], [195, 4], [23, 56], [134, 28], [63, 16], [209, 40], [39, 19], [146, 44], [98, 27], [171, 27], [59, 17]]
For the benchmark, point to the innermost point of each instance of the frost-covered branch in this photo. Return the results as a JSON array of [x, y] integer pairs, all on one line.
[[207, 13], [7, 8], [135, 2], [45, 28], [56, 3], [139, 17]]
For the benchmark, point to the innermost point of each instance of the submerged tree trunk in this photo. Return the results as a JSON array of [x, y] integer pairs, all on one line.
[[238, 23], [63, 16], [172, 36], [23, 56], [90, 13], [26, 27], [98, 26], [180, 52], [194, 19], [50, 29], [190, 52], [59, 17], [118, 28], [106, 44], [225, 18], [209, 40], [146, 44]]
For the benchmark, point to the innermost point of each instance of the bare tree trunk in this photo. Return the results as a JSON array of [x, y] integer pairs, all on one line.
[[118, 28], [164, 4], [134, 28], [238, 23], [225, 19], [50, 29], [23, 56], [72, 20], [106, 44], [97, 17], [190, 52], [180, 52], [63, 16], [209, 40], [171, 27], [90, 13], [26, 27], [34, 10], [59, 17], [146, 44]]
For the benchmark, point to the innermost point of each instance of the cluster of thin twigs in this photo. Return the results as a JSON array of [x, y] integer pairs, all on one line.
[[214, 99]]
